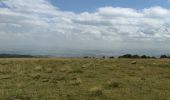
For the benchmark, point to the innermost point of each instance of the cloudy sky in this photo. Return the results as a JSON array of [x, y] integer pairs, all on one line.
[[106, 25]]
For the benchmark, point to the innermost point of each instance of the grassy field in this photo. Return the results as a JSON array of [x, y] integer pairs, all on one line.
[[84, 79]]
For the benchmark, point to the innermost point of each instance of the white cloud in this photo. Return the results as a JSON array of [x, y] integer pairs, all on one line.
[[39, 22], [156, 12], [124, 12]]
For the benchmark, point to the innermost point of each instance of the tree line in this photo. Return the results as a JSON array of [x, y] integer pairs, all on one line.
[[132, 56], [136, 56]]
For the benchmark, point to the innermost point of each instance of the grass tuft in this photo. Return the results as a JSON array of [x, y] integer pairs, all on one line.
[[49, 70], [35, 76], [97, 91], [141, 68], [76, 81], [38, 68], [66, 69]]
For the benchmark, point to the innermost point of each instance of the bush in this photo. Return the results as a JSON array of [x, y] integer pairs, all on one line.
[[144, 56], [85, 57], [111, 57], [164, 56], [135, 56], [112, 84], [126, 56]]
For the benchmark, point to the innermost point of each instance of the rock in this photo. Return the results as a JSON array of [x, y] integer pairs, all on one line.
[[134, 62], [45, 80]]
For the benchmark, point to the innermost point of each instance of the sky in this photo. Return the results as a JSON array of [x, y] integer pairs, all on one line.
[[91, 5], [65, 27]]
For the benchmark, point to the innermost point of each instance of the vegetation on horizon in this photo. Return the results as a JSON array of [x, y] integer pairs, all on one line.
[[131, 56]]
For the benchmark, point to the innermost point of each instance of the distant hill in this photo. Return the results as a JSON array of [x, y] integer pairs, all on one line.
[[16, 56]]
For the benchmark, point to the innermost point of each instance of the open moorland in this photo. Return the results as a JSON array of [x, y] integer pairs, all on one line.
[[84, 79]]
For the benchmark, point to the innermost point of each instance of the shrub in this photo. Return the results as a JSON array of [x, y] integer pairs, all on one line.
[[135, 56], [126, 56], [77, 71], [164, 56], [85, 57], [113, 84], [111, 57], [143, 56], [57, 78]]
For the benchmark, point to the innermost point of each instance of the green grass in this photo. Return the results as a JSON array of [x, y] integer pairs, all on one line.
[[84, 79]]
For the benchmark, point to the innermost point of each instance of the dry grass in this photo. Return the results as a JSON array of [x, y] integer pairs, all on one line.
[[84, 79]]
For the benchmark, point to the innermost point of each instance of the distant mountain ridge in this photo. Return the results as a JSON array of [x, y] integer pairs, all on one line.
[[15, 56]]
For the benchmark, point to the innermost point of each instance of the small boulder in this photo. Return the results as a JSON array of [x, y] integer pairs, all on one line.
[[134, 62]]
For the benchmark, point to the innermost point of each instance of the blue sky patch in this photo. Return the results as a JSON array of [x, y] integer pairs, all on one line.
[[92, 5]]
